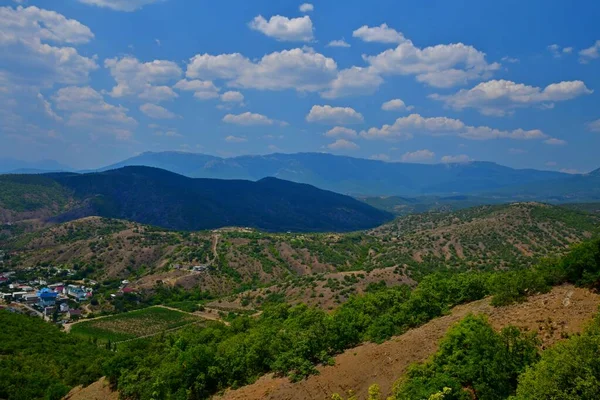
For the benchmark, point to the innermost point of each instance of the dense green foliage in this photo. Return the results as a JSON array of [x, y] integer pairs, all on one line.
[[474, 361], [162, 198], [31, 192], [37, 361], [568, 371]]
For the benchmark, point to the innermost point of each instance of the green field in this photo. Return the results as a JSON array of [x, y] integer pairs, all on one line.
[[131, 325]]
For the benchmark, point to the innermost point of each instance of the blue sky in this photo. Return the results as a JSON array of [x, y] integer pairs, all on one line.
[[90, 82]]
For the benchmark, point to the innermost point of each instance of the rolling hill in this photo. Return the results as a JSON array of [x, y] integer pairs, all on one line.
[[349, 175], [158, 197]]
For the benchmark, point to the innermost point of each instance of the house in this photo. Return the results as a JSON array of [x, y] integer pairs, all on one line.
[[200, 268], [6, 297], [49, 310], [77, 292], [47, 297], [18, 295], [64, 307], [126, 290], [31, 299], [74, 313], [3, 280]]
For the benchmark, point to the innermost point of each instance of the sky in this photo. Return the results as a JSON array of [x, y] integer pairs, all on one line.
[[92, 82]]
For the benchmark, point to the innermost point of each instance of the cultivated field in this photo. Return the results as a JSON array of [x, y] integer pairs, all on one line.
[[132, 325]]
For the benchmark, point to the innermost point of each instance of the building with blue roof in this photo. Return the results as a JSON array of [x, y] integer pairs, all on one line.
[[47, 297]]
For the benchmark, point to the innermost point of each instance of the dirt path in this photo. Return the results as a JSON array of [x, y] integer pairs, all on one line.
[[565, 310]]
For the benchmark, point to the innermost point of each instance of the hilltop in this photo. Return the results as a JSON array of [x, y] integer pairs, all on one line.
[[316, 268], [158, 197]]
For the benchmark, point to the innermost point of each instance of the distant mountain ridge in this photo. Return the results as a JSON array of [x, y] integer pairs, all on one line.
[[162, 198], [348, 175]]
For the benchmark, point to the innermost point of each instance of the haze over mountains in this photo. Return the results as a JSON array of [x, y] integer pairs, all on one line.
[[361, 177]]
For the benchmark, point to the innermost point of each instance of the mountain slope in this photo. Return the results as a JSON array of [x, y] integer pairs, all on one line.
[[162, 198], [346, 174]]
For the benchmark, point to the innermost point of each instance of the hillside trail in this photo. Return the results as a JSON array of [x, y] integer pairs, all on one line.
[[563, 311]]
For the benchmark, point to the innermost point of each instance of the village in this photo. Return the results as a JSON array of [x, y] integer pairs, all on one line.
[[56, 302]]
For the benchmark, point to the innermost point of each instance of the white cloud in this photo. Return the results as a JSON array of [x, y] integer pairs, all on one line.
[[459, 159], [510, 60], [48, 108], [500, 97], [248, 119], [594, 126], [203, 90], [232, 97], [591, 53], [120, 5], [341, 131], [284, 29], [144, 80], [306, 7], [439, 66], [299, 69], [395, 105], [338, 43], [88, 111], [354, 81], [407, 127], [334, 115], [235, 139], [418, 156], [378, 34], [555, 142], [558, 51], [343, 144], [156, 112], [24, 37]]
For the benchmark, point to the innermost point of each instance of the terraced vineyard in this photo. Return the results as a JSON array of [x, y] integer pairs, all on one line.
[[132, 325]]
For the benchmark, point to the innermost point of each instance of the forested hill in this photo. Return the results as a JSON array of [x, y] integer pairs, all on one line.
[[158, 197]]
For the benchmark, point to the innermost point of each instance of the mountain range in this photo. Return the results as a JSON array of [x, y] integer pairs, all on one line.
[[348, 175], [162, 198]]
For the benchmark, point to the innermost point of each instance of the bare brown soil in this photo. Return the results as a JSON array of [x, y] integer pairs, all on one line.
[[555, 315], [99, 390]]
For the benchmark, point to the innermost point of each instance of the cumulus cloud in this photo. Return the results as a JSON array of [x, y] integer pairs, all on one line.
[[88, 111], [407, 127], [334, 115], [338, 43], [248, 119], [500, 97], [47, 107], [339, 131], [284, 29], [143, 80], [443, 65], [120, 5], [591, 53], [555, 142], [354, 81], [558, 51], [378, 34], [299, 69], [343, 144], [306, 7], [235, 139], [25, 37], [232, 97], [156, 112], [203, 90], [418, 156], [459, 159], [594, 126], [395, 105]]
